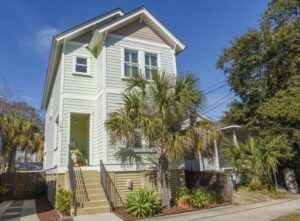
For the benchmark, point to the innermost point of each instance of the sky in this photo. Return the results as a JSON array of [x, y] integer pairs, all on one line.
[[205, 26]]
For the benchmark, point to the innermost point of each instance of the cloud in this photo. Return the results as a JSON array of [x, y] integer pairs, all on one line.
[[44, 37], [41, 40]]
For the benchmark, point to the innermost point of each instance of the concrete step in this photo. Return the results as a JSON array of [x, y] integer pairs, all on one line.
[[92, 210], [93, 186], [95, 191], [95, 203], [100, 196]]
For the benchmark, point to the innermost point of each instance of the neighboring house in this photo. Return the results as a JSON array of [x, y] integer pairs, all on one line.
[[88, 68]]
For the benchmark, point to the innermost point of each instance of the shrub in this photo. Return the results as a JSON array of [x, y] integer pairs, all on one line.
[[143, 203], [36, 190], [63, 201], [4, 191], [199, 197], [202, 197], [182, 191]]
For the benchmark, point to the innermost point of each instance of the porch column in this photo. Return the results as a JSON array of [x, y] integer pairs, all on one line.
[[234, 136], [217, 164], [201, 162]]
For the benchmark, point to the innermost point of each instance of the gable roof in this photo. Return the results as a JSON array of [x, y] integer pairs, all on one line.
[[101, 26], [141, 14], [57, 42]]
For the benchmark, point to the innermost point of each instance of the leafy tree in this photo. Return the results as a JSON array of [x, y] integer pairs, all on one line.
[[18, 131], [154, 111], [261, 63]]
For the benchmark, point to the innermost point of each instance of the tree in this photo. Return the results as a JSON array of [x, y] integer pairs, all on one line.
[[262, 67], [262, 62], [18, 131], [258, 159], [154, 111]]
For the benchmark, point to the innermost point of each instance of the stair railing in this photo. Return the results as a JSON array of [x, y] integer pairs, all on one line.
[[114, 198], [72, 181]]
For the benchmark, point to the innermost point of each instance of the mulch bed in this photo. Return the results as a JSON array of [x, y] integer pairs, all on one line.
[[45, 210], [123, 214]]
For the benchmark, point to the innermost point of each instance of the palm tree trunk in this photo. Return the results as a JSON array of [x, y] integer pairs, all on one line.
[[12, 162], [163, 167], [275, 179]]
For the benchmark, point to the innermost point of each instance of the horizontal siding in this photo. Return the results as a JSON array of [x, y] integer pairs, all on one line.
[[78, 84], [140, 31], [71, 106], [114, 65], [52, 108]]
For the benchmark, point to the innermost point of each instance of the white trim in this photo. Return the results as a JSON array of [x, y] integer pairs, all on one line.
[[104, 104], [68, 131], [88, 64], [175, 64], [145, 42], [144, 12], [91, 139], [90, 24], [75, 43]]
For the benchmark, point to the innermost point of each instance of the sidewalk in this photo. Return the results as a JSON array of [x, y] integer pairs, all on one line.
[[18, 210], [252, 212]]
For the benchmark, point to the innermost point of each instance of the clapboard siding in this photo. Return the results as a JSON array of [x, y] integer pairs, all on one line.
[[114, 61], [79, 84], [50, 117], [140, 31], [74, 106]]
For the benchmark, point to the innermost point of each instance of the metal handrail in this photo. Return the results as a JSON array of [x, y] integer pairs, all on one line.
[[114, 198], [72, 180]]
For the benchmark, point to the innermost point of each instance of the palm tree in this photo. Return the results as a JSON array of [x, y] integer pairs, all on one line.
[[154, 111], [18, 131]]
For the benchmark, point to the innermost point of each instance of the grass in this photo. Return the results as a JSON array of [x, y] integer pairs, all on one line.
[[290, 217]]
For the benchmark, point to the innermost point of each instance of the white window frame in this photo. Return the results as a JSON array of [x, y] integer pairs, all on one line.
[[123, 60], [141, 59], [88, 63], [151, 66]]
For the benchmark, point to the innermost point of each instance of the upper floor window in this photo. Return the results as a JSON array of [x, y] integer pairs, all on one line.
[[81, 65], [150, 64], [131, 62]]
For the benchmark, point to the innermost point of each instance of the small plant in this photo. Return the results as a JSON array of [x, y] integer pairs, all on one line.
[[143, 203], [63, 201], [4, 190], [215, 197], [36, 190], [183, 197], [199, 197]]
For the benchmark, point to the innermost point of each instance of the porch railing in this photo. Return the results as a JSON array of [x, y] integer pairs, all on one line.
[[72, 180], [114, 198]]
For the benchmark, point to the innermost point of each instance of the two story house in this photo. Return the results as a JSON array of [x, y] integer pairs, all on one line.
[[87, 72]]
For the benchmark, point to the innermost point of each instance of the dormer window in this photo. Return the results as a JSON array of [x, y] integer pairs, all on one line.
[[81, 65], [131, 62], [150, 65]]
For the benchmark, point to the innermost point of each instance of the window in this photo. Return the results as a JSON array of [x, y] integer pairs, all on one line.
[[81, 65], [150, 64], [131, 63]]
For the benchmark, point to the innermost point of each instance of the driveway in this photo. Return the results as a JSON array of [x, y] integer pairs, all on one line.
[[251, 212]]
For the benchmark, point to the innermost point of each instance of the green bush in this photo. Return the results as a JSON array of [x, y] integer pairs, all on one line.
[[36, 190], [199, 197], [63, 201], [181, 192], [4, 191], [143, 203]]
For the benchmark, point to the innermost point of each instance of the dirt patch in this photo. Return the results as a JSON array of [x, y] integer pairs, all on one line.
[[247, 197], [45, 210], [290, 217]]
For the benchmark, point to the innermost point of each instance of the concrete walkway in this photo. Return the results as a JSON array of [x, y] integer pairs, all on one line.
[[98, 217], [253, 212], [18, 210]]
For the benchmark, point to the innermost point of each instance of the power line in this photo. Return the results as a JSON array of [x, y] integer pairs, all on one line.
[[217, 105], [215, 89], [214, 85]]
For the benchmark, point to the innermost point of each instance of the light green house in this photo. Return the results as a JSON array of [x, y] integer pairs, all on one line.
[[86, 76]]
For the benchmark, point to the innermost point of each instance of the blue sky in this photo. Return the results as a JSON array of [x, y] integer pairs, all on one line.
[[205, 26]]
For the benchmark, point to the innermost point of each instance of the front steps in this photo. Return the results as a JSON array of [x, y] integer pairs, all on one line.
[[90, 195]]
